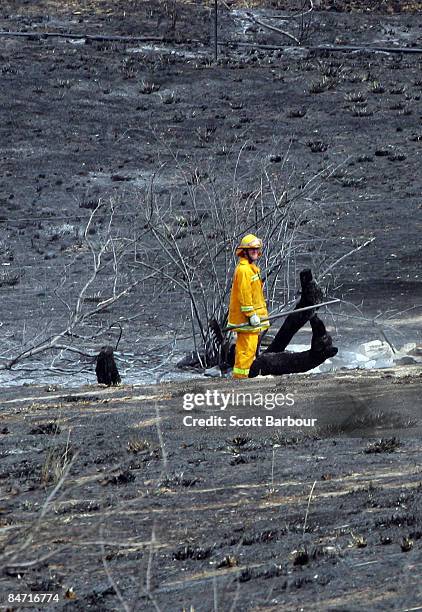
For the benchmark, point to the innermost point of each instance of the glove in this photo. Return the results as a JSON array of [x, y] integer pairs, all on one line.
[[254, 320]]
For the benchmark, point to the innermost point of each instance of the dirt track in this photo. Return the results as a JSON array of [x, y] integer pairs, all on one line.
[[194, 515]]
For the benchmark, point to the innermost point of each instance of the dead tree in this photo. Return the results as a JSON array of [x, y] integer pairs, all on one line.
[[192, 252], [105, 255]]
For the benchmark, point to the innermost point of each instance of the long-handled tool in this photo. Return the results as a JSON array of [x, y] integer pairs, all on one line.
[[284, 314]]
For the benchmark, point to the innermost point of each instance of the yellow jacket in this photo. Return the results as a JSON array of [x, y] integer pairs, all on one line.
[[247, 297]]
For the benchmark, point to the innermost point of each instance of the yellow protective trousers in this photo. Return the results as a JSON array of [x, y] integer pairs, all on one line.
[[246, 345]]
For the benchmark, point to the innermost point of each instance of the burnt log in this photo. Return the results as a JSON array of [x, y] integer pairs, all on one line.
[[106, 368], [286, 362]]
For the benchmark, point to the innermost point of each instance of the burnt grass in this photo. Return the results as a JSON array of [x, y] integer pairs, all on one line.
[[148, 511], [173, 517]]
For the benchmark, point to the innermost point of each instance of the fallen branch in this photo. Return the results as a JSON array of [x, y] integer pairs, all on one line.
[[78, 315], [337, 261], [94, 37], [330, 48], [273, 29]]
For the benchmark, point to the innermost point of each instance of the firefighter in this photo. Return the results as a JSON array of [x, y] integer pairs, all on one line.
[[247, 304]]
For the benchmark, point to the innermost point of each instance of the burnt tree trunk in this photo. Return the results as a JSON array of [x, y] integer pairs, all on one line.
[[310, 294]]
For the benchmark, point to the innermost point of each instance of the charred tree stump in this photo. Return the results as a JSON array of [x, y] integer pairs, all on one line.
[[310, 294], [290, 363], [106, 368]]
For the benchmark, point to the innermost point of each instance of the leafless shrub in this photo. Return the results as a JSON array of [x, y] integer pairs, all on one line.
[[301, 24], [323, 84], [9, 278], [376, 88], [198, 248], [148, 87], [361, 111], [317, 146], [104, 254], [355, 96], [56, 462]]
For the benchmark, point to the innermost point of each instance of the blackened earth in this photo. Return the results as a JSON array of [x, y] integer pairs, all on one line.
[[83, 120], [151, 512], [160, 514]]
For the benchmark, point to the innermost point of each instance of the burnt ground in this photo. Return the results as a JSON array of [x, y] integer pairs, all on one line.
[[83, 119], [208, 518], [191, 518]]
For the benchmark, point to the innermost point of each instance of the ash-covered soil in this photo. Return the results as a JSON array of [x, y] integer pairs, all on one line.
[[107, 498], [110, 500], [83, 120]]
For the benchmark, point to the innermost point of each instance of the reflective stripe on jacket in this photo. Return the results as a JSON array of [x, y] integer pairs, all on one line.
[[247, 297]]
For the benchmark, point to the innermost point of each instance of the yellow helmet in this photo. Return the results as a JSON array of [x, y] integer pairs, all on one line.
[[249, 242]]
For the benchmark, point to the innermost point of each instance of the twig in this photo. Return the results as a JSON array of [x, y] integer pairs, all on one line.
[[340, 259], [390, 344], [111, 580], [307, 509], [273, 29]]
